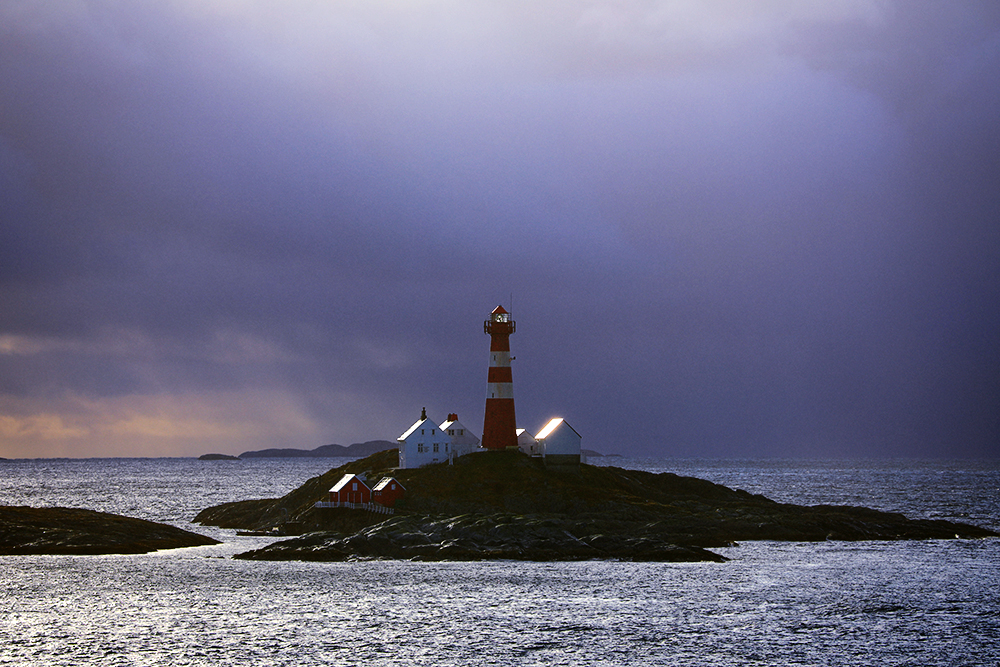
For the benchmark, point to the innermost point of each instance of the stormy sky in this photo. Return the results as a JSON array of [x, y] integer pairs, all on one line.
[[724, 228]]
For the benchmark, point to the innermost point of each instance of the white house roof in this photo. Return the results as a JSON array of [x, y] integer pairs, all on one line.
[[384, 482], [344, 480], [453, 423], [552, 426], [420, 423], [548, 428]]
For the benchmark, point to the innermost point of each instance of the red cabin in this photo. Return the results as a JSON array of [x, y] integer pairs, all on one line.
[[387, 492], [350, 489]]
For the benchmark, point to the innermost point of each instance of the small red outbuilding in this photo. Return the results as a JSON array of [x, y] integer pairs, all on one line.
[[387, 492]]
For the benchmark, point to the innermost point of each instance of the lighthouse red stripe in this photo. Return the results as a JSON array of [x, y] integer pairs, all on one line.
[[499, 429], [500, 374], [500, 343]]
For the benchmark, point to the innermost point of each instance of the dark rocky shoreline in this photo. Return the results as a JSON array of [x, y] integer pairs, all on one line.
[[479, 537], [508, 506], [64, 530]]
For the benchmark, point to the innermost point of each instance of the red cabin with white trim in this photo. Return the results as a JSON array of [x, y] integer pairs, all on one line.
[[351, 489], [387, 492]]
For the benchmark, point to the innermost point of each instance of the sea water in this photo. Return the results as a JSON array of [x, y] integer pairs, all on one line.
[[933, 602]]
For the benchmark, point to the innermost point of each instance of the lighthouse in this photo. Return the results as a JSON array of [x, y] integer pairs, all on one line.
[[499, 426]]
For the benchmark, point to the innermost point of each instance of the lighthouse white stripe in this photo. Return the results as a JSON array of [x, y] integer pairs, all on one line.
[[500, 390]]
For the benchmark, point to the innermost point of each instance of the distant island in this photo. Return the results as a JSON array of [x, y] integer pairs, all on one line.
[[65, 530], [590, 453], [357, 450], [506, 505]]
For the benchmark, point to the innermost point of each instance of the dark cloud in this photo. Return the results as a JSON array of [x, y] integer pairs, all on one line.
[[727, 230]]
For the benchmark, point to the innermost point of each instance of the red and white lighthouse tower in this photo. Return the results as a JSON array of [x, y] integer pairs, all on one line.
[[499, 426]]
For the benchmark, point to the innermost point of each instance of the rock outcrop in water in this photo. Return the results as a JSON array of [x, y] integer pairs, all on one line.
[[64, 530], [506, 505]]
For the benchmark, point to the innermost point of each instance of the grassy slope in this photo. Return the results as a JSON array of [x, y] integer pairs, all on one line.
[[486, 483]]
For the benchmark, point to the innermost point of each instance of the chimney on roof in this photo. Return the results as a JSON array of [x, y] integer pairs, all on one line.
[[423, 413], [453, 417]]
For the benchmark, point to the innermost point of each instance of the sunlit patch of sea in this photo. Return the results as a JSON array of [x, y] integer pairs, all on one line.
[[829, 603]]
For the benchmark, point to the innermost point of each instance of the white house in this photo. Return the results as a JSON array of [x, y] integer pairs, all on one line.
[[559, 443], [423, 443], [427, 442], [463, 441], [527, 444]]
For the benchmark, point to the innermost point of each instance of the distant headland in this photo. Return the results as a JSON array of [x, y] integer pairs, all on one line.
[[357, 450]]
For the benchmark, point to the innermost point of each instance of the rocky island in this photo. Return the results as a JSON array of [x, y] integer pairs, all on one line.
[[505, 505], [64, 530]]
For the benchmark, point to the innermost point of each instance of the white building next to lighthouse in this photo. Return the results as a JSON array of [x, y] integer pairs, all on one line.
[[462, 440], [558, 443], [527, 443]]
